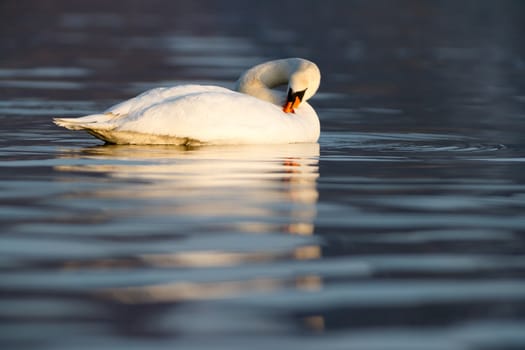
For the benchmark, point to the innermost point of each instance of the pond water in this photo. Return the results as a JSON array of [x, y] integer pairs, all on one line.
[[403, 228]]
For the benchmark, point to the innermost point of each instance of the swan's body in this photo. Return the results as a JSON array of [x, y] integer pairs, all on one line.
[[196, 114]]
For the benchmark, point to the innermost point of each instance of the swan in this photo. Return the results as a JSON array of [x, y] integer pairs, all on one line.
[[256, 113]]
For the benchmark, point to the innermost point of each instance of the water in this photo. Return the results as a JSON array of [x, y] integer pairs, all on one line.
[[402, 229]]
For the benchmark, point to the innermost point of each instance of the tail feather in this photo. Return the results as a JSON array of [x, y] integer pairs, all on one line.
[[94, 121]]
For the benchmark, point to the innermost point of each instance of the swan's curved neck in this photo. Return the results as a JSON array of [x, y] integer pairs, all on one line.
[[260, 81]]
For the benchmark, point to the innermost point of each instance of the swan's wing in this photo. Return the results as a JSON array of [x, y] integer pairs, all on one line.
[[216, 116], [158, 95], [119, 113]]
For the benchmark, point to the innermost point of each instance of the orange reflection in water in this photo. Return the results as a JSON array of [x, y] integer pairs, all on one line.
[[184, 291]]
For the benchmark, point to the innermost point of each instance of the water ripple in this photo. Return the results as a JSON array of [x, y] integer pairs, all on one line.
[[409, 143]]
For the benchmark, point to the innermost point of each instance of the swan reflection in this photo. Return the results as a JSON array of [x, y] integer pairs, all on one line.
[[249, 194], [254, 188]]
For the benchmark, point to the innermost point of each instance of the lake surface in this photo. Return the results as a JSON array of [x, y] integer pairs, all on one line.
[[403, 228]]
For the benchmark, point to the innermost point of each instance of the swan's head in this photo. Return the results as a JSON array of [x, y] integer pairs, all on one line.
[[303, 83], [302, 77]]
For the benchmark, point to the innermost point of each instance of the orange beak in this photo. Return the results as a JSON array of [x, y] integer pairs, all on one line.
[[289, 106]]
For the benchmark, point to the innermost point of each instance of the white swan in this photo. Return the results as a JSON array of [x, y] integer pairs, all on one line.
[[197, 114]]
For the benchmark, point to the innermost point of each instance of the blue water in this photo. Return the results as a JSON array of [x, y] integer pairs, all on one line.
[[403, 228]]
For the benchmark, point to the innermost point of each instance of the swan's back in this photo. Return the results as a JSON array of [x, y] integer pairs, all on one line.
[[158, 95]]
